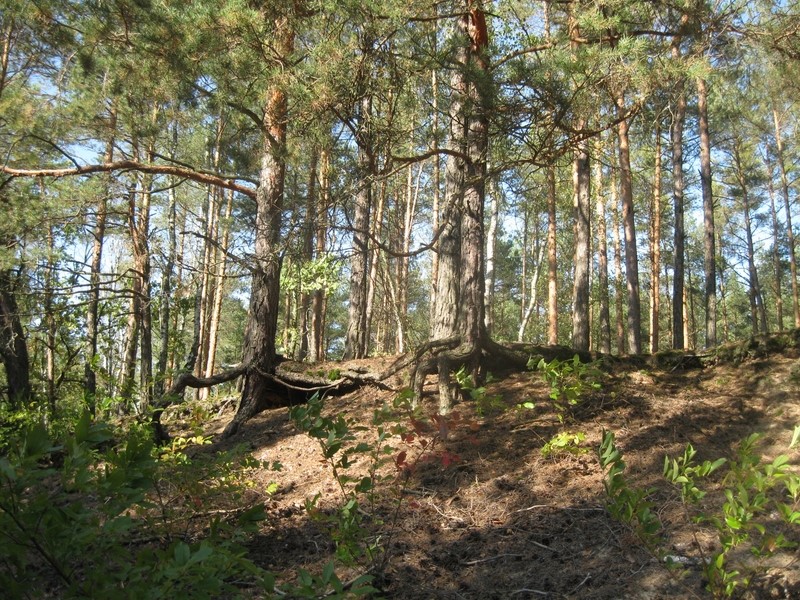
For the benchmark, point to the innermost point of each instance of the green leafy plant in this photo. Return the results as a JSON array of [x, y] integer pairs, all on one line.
[[759, 511], [569, 380], [756, 520], [627, 504], [485, 403], [565, 442], [73, 512]]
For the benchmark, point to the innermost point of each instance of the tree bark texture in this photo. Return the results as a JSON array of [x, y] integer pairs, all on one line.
[[581, 179], [678, 203], [709, 236], [628, 219], [357, 336], [262, 318]]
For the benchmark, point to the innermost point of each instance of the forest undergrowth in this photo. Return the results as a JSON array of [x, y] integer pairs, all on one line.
[[568, 480]]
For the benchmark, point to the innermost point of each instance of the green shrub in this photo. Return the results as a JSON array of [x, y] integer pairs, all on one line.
[[569, 380]]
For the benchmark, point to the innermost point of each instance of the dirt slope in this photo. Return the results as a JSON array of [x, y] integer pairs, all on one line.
[[504, 521]]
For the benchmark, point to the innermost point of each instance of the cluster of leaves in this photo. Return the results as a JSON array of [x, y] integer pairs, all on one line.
[[760, 509], [568, 442], [358, 530], [755, 521], [569, 380], [625, 503], [75, 520], [484, 402]]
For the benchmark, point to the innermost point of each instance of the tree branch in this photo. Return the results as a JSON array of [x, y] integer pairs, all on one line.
[[132, 165]]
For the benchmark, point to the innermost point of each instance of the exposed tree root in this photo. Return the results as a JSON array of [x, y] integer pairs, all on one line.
[[175, 395]]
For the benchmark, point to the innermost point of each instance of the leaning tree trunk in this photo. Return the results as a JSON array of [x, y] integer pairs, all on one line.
[[262, 319]]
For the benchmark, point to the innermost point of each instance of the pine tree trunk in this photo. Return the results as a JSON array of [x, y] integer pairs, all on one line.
[[316, 343], [619, 286], [437, 182], [552, 259], [95, 270], [709, 247], [309, 228], [164, 317], [13, 347], [789, 230], [776, 258], [757, 309], [581, 178], [655, 248], [219, 290], [628, 219], [679, 244], [604, 316], [50, 321], [262, 319], [491, 246], [357, 336]]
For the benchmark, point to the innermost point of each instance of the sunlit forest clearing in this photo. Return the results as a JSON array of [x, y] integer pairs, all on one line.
[[457, 299]]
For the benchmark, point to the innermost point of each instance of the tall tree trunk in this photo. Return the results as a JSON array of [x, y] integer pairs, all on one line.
[[131, 351], [581, 179], [139, 227], [460, 298], [262, 319], [678, 274], [709, 247], [628, 219], [619, 286], [219, 289], [167, 273], [789, 230], [776, 258], [655, 247], [757, 310], [50, 324], [533, 296], [491, 246], [309, 228], [604, 316], [726, 328], [316, 343], [437, 183], [375, 264], [552, 258], [357, 336], [95, 269]]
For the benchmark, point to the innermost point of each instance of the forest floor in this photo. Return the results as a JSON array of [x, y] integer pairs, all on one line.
[[484, 514]]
